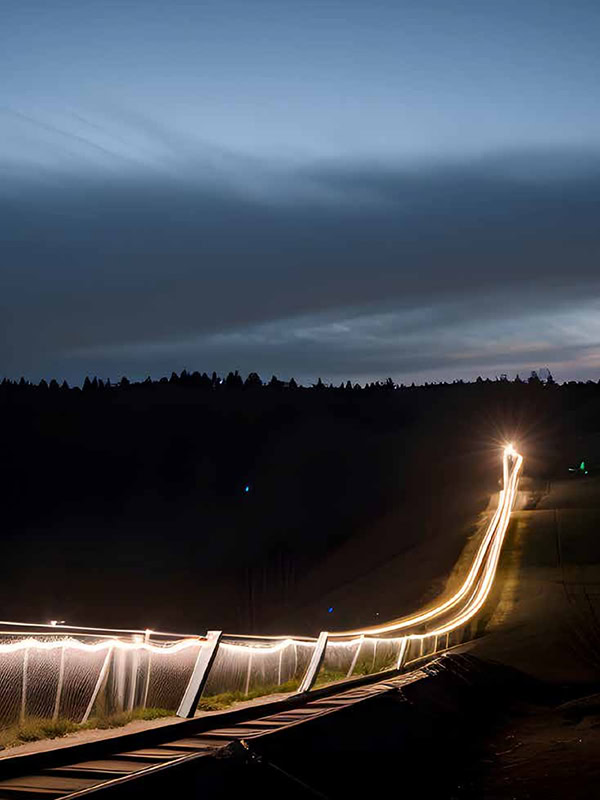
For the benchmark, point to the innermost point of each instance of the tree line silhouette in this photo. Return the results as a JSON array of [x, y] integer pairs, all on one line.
[[234, 380]]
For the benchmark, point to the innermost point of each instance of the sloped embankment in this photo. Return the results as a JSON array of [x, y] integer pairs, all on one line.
[[421, 739]]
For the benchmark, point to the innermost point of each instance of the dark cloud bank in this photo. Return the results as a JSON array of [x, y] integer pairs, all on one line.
[[338, 270]]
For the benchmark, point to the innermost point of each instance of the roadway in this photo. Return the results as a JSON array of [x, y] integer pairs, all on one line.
[[545, 609]]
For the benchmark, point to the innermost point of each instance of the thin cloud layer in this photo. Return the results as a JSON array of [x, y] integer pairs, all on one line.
[[340, 270]]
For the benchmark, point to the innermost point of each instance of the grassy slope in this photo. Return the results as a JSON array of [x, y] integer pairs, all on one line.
[[34, 730]]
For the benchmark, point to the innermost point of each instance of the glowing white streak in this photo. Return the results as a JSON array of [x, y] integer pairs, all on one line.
[[498, 528], [494, 535], [352, 642], [416, 619], [243, 636], [168, 649], [73, 644], [264, 650], [103, 630], [485, 585], [69, 627]]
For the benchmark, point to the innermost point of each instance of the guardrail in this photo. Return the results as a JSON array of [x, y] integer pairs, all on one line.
[[69, 672]]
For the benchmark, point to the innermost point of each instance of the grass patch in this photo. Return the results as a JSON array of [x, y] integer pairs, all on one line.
[[217, 702], [35, 730], [329, 676], [366, 667], [363, 667], [121, 718]]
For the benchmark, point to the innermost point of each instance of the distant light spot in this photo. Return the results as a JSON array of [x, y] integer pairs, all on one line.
[[247, 487], [330, 610]]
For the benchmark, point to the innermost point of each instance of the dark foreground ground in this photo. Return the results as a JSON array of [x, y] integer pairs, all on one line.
[[544, 620], [415, 739], [471, 729], [542, 749]]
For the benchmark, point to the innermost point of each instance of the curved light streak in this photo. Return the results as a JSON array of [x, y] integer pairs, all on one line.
[[485, 584], [266, 649], [167, 649], [119, 644], [494, 534], [60, 626]]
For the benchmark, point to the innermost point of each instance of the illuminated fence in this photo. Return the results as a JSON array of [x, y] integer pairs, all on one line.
[[61, 672], [53, 676], [78, 676]]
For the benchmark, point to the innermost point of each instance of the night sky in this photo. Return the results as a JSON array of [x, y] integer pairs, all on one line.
[[341, 188]]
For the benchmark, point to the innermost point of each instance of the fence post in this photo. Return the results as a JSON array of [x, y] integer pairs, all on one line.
[[295, 659], [119, 678], [248, 671], [135, 665], [279, 667], [202, 667], [402, 652], [148, 668], [147, 681], [59, 688], [355, 658], [24, 685], [314, 664], [99, 682]]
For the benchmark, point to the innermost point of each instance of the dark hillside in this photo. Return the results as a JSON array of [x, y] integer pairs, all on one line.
[[127, 505]]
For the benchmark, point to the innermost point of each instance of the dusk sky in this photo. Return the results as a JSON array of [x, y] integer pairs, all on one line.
[[343, 188]]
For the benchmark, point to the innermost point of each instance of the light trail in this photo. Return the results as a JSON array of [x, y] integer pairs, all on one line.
[[483, 589], [491, 542], [166, 649], [59, 626], [105, 644], [265, 649]]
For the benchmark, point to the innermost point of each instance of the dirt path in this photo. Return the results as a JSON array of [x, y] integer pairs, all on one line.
[[80, 737]]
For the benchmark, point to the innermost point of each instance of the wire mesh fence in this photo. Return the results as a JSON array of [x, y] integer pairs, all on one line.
[[75, 676], [251, 668], [81, 677]]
